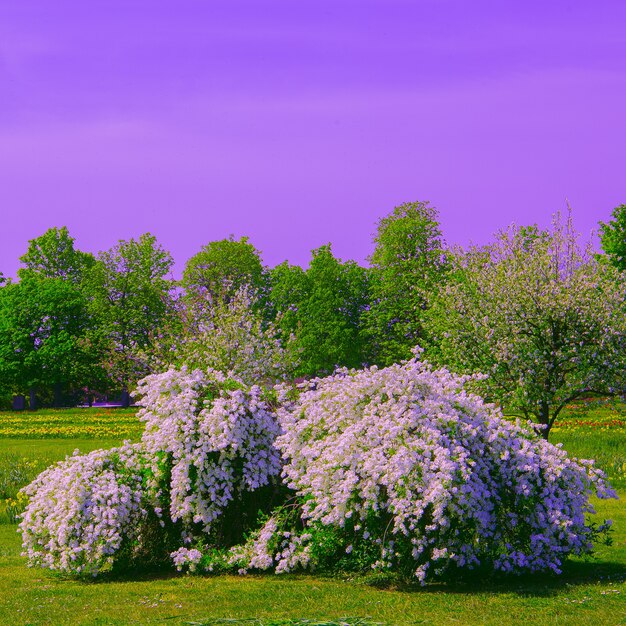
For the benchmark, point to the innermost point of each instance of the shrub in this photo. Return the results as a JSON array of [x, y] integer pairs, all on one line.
[[397, 469], [211, 440], [403, 458], [87, 513]]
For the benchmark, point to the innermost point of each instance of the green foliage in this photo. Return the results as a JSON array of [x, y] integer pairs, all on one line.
[[131, 300], [220, 269], [52, 255], [44, 334], [288, 290], [613, 237], [323, 307], [541, 317], [408, 263], [45, 323]]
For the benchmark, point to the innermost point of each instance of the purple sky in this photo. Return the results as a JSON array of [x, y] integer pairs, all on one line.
[[303, 122]]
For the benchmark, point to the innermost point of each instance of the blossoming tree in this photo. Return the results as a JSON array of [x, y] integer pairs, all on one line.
[[539, 315], [229, 336]]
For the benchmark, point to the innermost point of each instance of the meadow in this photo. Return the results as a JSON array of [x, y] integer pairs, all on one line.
[[590, 591]]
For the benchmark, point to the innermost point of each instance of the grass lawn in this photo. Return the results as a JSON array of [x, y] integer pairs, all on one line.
[[588, 592]]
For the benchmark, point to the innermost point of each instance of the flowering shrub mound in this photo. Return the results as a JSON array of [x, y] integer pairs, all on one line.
[[397, 468], [211, 440], [407, 470], [87, 512]]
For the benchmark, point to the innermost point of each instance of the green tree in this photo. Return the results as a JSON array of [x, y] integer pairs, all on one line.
[[323, 307], [53, 321], [288, 288], [539, 316], [220, 269], [613, 237], [131, 299], [53, 255], [407, 265], [44, 337]]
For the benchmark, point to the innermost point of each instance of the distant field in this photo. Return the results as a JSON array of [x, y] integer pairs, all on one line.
[[30, 442], [590, 592], [82, 423]]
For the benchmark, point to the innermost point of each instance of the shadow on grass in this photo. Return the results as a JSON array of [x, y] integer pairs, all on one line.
[[575, 574]]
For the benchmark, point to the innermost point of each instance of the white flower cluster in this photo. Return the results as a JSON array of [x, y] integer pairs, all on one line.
[[184, 557], [83, 511], [271, 547], [451, 480], [210, 437]]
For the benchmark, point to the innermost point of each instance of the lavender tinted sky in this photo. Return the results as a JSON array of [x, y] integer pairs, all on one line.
[[299, 123]]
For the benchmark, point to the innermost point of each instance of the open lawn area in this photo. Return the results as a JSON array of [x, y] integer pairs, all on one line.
[[590, 591]]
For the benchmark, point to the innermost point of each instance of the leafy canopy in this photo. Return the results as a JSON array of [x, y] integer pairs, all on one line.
[[323, 307], [407, 264], [53, 255], [130, 298], [613, 237], [221, 268], [44, 328]]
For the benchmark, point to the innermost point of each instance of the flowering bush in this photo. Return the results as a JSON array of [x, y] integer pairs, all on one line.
[[87, 512], [211, 440], [183, 557], [396, 468], [405, 459]]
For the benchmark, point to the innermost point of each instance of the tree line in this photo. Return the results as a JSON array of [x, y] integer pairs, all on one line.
[[539, 315]]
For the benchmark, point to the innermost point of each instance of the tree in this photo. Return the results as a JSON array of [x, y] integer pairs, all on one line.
[[613, 237], [44, 337], [231, 337], [52, 255], [539, 316], [323, 307], [407, 264], [287, 290], [131, 300], [220, 269]]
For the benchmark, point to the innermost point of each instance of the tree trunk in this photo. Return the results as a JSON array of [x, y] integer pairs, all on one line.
[[544, 420], [32, 399], [125, 398], [58, 397], [19, 403]]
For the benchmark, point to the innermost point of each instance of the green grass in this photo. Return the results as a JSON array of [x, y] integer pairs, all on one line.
[[596, 430], [588, 592], [31, 441], [592, 592]]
